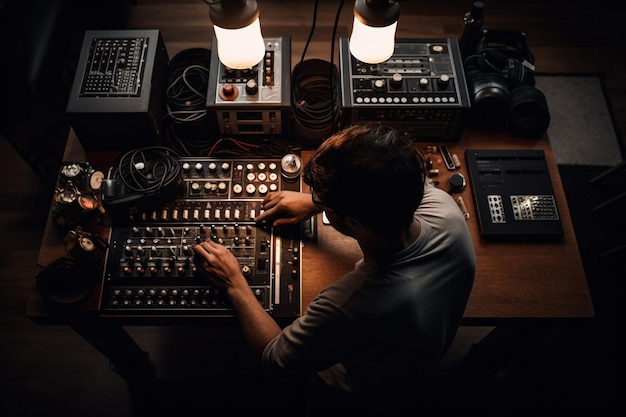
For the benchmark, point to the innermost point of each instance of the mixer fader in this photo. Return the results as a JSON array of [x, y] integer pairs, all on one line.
[[150, 266]]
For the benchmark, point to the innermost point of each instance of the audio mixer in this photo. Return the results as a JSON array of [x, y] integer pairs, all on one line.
[[421, 89], [149, 268]]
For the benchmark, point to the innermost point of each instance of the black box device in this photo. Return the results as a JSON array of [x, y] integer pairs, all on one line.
[[513, 195], [116, 102]]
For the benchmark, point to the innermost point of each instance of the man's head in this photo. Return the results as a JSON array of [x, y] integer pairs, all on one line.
[[373, 174]]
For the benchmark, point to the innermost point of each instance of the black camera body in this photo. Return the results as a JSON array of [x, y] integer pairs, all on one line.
[[500, 73]]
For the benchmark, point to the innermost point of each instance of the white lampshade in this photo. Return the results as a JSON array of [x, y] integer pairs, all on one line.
[[240, 48], [372, 45]]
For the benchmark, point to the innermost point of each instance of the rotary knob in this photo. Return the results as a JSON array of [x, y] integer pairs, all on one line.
[[290, 165], [229, 92], [396, 81], [443, 81], [378, 84], [252, 87]]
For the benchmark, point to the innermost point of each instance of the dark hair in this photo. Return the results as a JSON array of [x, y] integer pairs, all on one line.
[[373, 173]]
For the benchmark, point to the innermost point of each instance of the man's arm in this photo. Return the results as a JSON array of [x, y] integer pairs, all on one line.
[[221, 267]]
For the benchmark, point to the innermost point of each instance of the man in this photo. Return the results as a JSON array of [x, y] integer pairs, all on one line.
[[375, 336]]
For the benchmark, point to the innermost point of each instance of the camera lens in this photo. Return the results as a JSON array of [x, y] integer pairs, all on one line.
[[529, 115], [490, 109]]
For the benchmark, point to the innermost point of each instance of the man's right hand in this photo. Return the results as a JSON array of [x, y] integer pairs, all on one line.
[[287, 207]]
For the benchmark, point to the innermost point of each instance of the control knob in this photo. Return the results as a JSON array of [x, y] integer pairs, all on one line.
[[396, 81], [252, 87], [443, 81], [290, 165], [378, 84], [229, 92]]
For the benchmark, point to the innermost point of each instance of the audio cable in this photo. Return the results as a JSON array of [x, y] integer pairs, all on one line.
[[148, 169], [187, 121]]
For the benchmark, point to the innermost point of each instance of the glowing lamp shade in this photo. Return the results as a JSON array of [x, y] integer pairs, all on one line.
[[240, 48], [372, 44]]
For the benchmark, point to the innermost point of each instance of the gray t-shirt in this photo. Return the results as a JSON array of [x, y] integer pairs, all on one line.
[[380, 330]]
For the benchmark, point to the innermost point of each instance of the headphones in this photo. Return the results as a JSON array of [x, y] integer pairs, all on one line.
[[501, 78]]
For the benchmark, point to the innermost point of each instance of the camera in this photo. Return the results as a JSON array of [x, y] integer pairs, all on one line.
[[500, 72]]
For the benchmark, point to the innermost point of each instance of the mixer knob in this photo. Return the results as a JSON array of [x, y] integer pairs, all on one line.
[[186, 166], [396, 81], [225, 166], [229, 92], [262, 176], [423, 83], [443, 81], [246, 270], [250, 177], [378, 84], [252, 87], [198, 166], [195, 187], [221, 187], [291, 165], [212, 167], [263, 189], [237, 188], [250, 188], [261, 166]]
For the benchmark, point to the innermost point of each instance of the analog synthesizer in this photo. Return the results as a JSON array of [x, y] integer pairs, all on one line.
[[149, 267]]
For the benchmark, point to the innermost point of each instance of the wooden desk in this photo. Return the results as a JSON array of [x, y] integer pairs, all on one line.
[[514, 281]]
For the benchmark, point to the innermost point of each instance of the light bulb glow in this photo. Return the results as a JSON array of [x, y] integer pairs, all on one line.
[[240, 48], [372, 45]]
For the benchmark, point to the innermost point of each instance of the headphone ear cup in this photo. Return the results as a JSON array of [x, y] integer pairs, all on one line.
[[491, 102], [529, 116]]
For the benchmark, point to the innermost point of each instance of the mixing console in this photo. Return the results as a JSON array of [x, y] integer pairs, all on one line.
[[150, 267]]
